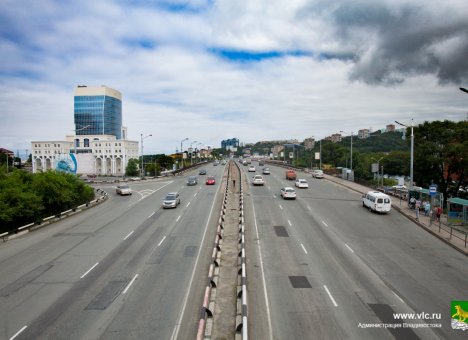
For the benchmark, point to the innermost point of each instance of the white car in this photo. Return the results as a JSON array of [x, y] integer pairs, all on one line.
[[317, 174], [302, 183], [123, 190], [400, 187], [252, 168], [258, 180], [288, 192]]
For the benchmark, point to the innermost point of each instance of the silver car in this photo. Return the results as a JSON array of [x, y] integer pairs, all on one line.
[[123, 190], [172, 200]]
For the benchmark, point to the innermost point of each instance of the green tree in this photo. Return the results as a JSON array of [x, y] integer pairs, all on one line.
[[441, 155], [132, 167]]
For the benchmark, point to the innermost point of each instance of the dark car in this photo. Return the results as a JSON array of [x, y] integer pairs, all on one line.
[[192, 180], [202, 172]]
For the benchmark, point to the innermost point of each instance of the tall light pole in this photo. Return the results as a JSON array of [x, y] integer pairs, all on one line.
[[142, 171], [74, 139], [412, 150], [351, 162], [191, 151], [182, 152]]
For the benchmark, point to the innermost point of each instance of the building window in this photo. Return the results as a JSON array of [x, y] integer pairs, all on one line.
[[86, 143]]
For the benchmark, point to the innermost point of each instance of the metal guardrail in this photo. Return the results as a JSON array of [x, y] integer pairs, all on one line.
[[54, 218]]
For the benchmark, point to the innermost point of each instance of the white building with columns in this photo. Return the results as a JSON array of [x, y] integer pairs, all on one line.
[[101, 155]]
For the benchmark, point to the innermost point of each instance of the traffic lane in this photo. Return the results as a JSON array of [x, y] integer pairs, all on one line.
[[301, 290], [159, 299], [74, 319], [62, 258], [423, 271], [356, 287]]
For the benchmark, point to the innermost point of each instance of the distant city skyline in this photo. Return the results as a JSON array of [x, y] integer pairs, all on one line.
[[208, 70]]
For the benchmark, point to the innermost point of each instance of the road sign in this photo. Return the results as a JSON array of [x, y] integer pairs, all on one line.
[[433, 189]]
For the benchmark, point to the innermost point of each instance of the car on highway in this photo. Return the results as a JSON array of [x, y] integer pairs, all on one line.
[[399, 187], [123, 190], [291, 174], [192, 180], [202, 172], [317, 173], [258, 180], [216, 163], [210, 180], [266, 171], [252, 168], [301, 183], [288, 192], [172, 200], [377, 201], [223, 162]]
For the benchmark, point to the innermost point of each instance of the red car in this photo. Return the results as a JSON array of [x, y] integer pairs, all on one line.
[[210, 180]]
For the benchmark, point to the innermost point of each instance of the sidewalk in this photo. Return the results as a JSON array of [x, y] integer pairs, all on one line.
[[452, 235]]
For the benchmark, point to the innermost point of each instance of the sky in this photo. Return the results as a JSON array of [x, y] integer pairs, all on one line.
[[210, 70]]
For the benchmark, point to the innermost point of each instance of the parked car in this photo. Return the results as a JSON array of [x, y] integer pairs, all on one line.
[[266, 171], [258, 180], [252, 168], [302, 183], [210, 180], [317, 174], [123, 190], [202, 172], [399, 187], [172, 200], [192, 180], [288, 192], [290, 174]]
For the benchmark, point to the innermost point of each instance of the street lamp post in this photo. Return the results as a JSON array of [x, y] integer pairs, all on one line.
[[142, 171], [191, 151], [182, 153], [412, 150], [378, 167], [351, 161]]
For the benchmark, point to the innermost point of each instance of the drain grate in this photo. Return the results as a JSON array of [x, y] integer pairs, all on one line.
[[281, 231], [299, 282]]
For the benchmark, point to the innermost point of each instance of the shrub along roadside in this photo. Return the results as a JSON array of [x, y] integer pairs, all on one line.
[[27, 198]]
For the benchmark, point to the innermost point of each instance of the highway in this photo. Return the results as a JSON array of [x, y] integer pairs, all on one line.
[[126, 269], [323, 267], [318, 267]]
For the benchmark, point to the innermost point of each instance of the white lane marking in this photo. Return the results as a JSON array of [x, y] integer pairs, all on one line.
[[175, 332], [289, 222], [195, 194], [331, 297], [82, 276], [188, 204], [281, 207], [326, 225], [159, 244], [270, 328], [399, 298], [303, 248], [349, 248], [178, 218], [149, 192], [308, 208], [130, 233], [151, 214], [129, 284], [19, 332]]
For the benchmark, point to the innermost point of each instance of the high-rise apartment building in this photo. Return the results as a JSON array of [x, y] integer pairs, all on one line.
[[98, 111]]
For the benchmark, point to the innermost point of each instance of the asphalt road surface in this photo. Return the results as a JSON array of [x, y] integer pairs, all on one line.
[[126, 269], [324, 267]]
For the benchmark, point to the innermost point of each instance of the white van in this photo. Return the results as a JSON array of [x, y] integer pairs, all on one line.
[[377, 201]]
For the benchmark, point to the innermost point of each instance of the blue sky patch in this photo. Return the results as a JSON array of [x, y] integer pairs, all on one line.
[[249, 56]]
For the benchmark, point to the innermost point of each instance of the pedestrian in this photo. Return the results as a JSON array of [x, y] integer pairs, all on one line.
[[439, 212], [417, 206], [427, 209], [234, 183], [412, 202]]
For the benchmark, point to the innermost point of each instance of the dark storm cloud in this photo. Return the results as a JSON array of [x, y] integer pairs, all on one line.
[[391, 42]]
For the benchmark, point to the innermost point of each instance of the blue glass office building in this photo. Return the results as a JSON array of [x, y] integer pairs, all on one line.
[[98, 111]]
